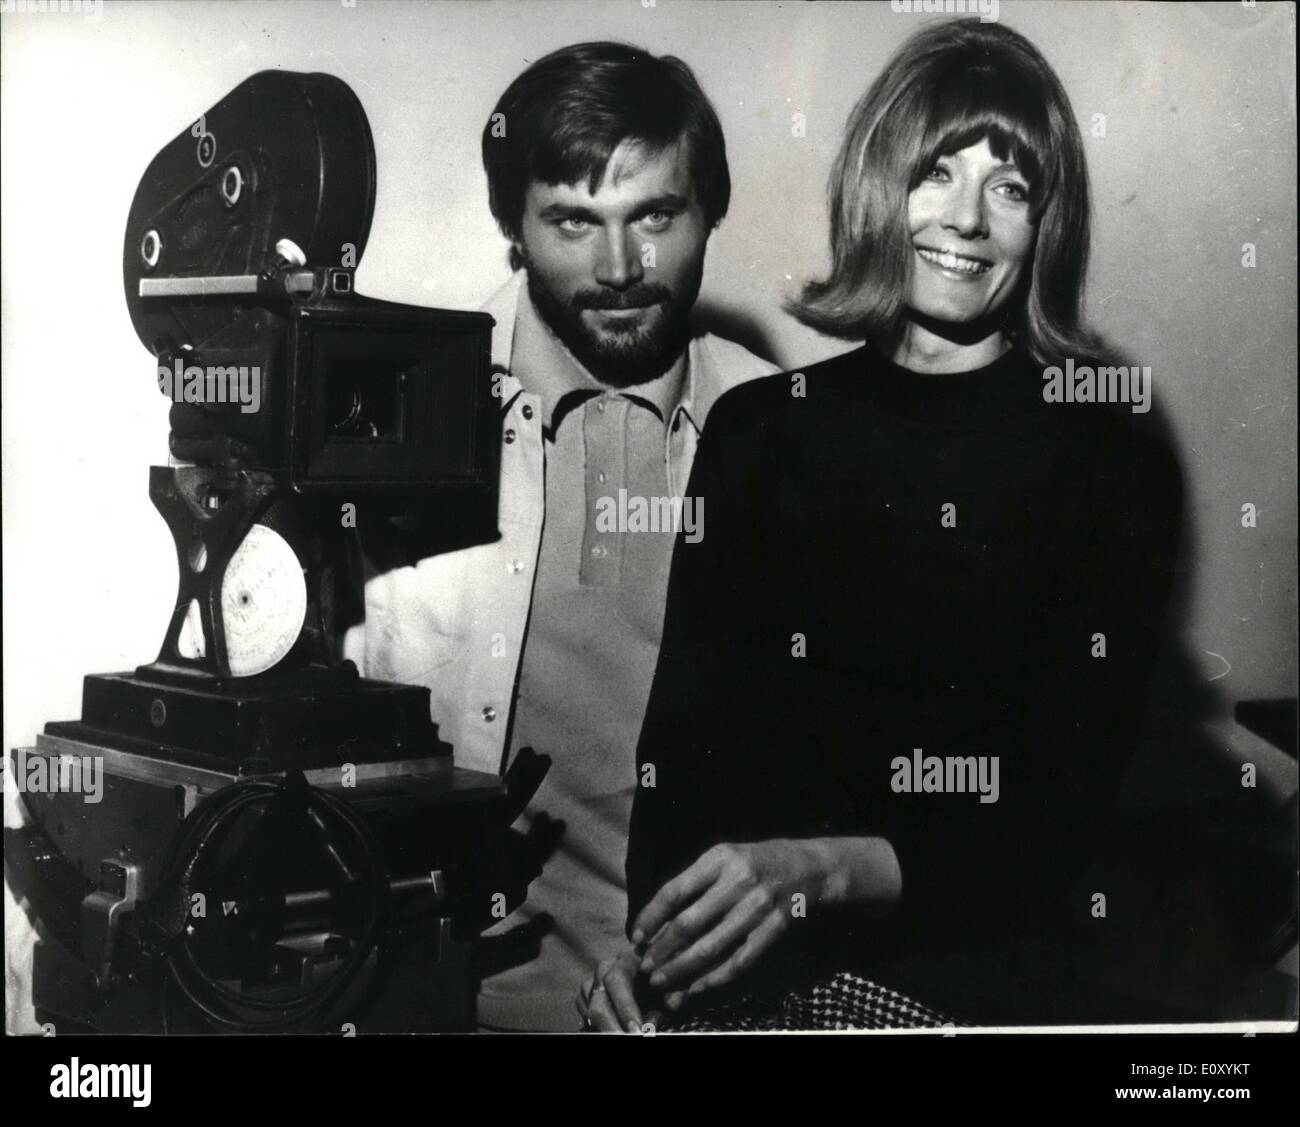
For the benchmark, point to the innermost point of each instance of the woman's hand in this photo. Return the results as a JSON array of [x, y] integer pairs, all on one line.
[[606, 1001], [709, 924]]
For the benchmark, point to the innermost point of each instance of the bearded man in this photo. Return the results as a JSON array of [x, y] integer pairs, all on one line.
[[607, 172]]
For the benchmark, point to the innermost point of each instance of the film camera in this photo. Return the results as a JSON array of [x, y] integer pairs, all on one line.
[[279, 844]]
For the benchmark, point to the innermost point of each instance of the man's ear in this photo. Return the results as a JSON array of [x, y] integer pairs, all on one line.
[[516, 256]]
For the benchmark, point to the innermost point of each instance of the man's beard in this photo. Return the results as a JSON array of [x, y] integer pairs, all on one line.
[[623, 356]]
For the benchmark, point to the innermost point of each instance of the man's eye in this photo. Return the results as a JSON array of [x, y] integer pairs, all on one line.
[[573, 225], [657, 220]]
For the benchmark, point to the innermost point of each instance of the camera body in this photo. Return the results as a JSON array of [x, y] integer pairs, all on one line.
[[276, 843], [238, 267], [334, 393]]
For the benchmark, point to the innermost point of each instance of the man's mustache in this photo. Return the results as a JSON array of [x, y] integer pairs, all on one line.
[[634, 297]]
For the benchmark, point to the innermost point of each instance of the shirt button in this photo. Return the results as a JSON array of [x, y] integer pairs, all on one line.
[[516, 566], [600, 476], [489, 714], [527, 411], [509, 437], [600, 406], [600, 551]]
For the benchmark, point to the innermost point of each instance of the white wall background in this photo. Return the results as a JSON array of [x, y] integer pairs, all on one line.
[[1199, 157]]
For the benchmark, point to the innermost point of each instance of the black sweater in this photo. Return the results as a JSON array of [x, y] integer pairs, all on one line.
[[824, 517]]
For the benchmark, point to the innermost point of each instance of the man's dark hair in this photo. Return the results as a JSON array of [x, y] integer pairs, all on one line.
[[560, 121]]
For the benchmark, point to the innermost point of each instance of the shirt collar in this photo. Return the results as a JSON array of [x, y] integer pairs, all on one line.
[[545, 368], [688, 407], [703, 385]]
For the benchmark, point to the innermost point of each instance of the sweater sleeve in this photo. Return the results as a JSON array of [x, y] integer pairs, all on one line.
[[1101, 601], [675, 811]]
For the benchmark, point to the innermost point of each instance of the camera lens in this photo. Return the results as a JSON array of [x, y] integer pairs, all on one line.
[[347, 413]]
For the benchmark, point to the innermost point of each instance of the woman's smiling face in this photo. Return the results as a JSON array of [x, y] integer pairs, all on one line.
[[972, 231]]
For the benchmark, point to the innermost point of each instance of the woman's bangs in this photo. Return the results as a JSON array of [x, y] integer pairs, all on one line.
[[983, 104]]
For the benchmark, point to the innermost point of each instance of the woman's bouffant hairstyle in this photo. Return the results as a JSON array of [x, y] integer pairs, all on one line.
[[560, 121], [949, 86]]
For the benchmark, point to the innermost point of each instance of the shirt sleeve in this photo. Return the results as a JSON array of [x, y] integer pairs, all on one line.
[[675, 812]]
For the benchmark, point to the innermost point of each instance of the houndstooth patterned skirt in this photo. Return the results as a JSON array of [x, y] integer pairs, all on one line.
[[844, 1001]]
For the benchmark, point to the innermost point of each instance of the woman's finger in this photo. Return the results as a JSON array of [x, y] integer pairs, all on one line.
[[716, 944], [618, 991], [600, 1014], [758, 941], [689, 924], [669, 900]]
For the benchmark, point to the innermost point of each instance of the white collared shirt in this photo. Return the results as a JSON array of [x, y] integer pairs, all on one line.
[[455, 622]]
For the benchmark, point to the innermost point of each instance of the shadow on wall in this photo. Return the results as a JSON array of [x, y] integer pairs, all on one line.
[[735, 324], [1198, 868], [1183, 705]]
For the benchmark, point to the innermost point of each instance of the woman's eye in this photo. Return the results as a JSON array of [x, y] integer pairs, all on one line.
[[938, 172], [1018, 192]]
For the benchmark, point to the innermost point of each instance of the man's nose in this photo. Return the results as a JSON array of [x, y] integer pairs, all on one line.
[[964, 210], [618, 259]]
